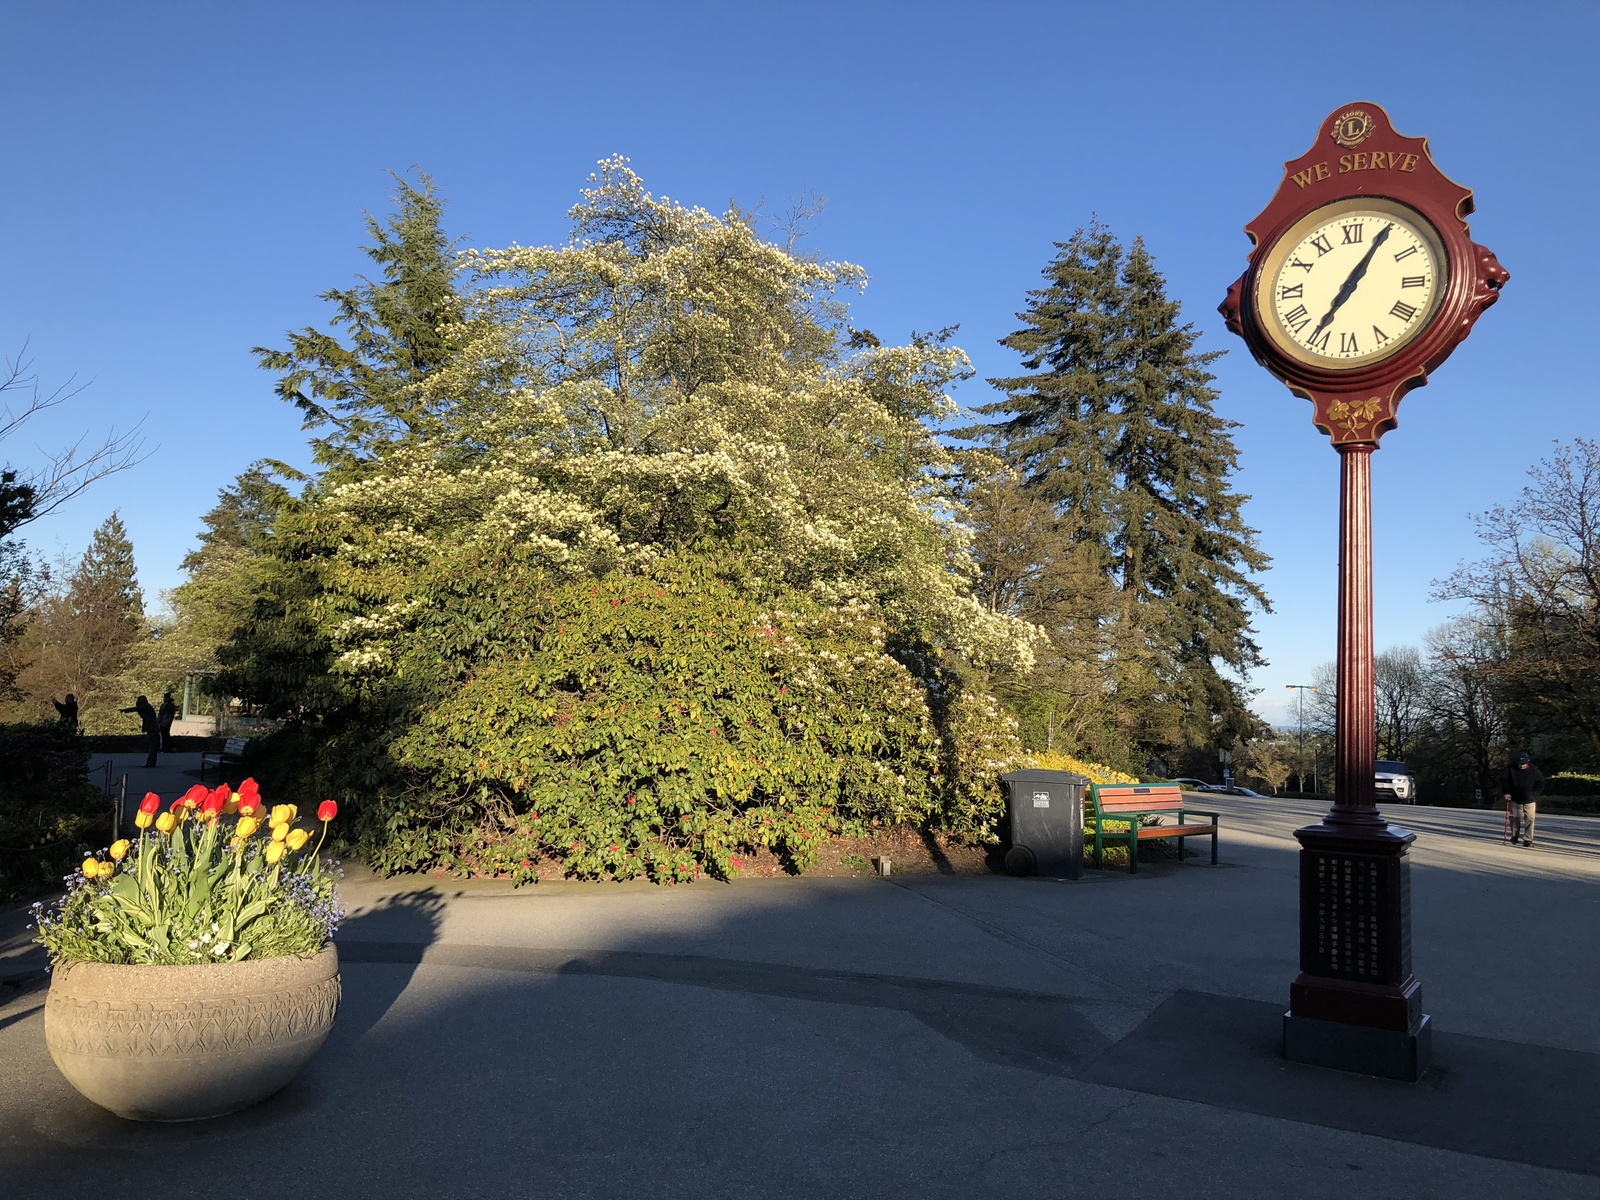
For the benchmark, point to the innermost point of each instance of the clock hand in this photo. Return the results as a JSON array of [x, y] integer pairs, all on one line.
[[1348, 288]]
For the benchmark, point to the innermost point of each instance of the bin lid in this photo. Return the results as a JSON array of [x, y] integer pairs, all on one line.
[[1037, 775]]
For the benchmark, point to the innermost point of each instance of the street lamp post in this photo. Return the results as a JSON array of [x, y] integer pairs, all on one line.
[[1303, 688]]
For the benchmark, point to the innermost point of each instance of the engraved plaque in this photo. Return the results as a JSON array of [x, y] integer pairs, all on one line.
[[1353, 910]]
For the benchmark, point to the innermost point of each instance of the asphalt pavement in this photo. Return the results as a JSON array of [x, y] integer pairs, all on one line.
[[912, 1036]]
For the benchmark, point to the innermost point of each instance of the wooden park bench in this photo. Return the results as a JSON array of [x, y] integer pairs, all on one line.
[[232, 751], [1129, 803]]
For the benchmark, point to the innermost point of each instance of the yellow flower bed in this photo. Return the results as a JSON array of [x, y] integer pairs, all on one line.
[[1093, 772]]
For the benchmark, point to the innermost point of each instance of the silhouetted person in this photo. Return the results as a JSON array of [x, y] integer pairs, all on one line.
[[150, 724], [1522, 784], [68, 711], [164, 716]]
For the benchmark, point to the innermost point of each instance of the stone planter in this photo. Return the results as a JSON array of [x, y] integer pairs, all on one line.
[[189, 1042]]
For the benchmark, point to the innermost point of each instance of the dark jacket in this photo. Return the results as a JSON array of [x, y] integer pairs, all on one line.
[[147, 717], [1524, 787]]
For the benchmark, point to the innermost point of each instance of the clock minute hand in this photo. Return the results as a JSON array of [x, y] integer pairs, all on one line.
[[1348, 287]]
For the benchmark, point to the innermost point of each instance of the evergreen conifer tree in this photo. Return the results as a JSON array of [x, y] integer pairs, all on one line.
[[78, 638], [1113, 422], [104, 590], [369, 393]]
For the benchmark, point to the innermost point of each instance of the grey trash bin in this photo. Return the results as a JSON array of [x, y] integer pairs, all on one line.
[[1046, 810]]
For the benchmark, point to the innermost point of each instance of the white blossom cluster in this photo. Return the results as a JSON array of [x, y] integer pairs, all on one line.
[[666, 381]]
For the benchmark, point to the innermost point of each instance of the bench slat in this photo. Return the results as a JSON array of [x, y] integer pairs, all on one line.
[[1161, 831], [1141, 804]]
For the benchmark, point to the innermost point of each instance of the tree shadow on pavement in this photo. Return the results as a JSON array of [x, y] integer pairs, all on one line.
[[410, 919]]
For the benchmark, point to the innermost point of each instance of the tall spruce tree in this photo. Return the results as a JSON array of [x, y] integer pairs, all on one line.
[[105, 587], [79, 637], [1113, 422], [369, 394]]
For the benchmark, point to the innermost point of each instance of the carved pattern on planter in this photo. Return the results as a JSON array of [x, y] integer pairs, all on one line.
[[140, 1029]]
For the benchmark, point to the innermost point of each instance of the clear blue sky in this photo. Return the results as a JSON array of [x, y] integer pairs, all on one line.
[[180, 180]]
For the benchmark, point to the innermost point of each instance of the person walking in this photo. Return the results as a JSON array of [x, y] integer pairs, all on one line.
[[67, 710], [1523, 784], [150, 724], [164, 716]]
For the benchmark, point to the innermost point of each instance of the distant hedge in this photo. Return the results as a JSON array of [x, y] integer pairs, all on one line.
[[50, 816]]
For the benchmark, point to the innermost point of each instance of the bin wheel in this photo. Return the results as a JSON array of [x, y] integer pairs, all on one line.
[[1020, 861]]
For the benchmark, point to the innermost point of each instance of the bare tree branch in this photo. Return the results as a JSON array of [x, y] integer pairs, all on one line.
[[67, 472]]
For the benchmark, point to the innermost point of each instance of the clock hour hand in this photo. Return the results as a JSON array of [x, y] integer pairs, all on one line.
[[1348, 287]]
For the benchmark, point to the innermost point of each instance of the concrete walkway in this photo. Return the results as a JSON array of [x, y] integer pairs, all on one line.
[[171, 777], [923, 1036]]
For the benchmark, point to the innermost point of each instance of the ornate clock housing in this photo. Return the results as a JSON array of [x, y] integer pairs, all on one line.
[[1363, 278], [1352, 282]]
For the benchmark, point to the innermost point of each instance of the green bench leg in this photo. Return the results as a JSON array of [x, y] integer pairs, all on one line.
[[1213, 849]]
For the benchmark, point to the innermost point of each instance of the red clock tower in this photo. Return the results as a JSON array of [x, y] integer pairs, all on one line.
[[1363, 280]]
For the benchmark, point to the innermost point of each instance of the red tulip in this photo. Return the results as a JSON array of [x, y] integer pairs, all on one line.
[[175, 805], [249, 788], [215, 800], [327, 810], [150, 803], [222, 795]]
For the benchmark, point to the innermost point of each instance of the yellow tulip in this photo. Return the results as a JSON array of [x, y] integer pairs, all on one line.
[[274, 851], [247, 826], [232, 804], [119, 849], [91, 868], [107, 870], [280, 832], [166, 822], [297, 838], [284, 814], [144, 820]]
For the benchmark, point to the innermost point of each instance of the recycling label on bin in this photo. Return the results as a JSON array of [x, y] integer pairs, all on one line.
[[1041, 799]]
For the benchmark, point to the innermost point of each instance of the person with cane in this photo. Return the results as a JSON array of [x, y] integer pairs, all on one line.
[[1523, 784]]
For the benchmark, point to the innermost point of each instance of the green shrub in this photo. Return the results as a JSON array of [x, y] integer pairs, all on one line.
[[658, 725], [1572, 783], [50, 816], [980, 743]]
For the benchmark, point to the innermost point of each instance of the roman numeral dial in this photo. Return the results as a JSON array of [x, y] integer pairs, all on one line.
[[1351, 283]]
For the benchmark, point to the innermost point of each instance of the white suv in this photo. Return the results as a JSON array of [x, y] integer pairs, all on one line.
[[1392, 779]]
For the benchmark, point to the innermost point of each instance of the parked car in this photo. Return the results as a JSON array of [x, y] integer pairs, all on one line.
[[1193, 785], [1239, 791], [1393, 780]]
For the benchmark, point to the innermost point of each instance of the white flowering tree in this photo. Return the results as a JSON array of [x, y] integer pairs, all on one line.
[[665, 385]]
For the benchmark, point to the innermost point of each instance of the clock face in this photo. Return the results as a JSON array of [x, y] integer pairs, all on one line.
[[1351, 283]]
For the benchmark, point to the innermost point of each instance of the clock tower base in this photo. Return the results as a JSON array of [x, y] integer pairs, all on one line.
[[1356, 1006], [1360, 1049]]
